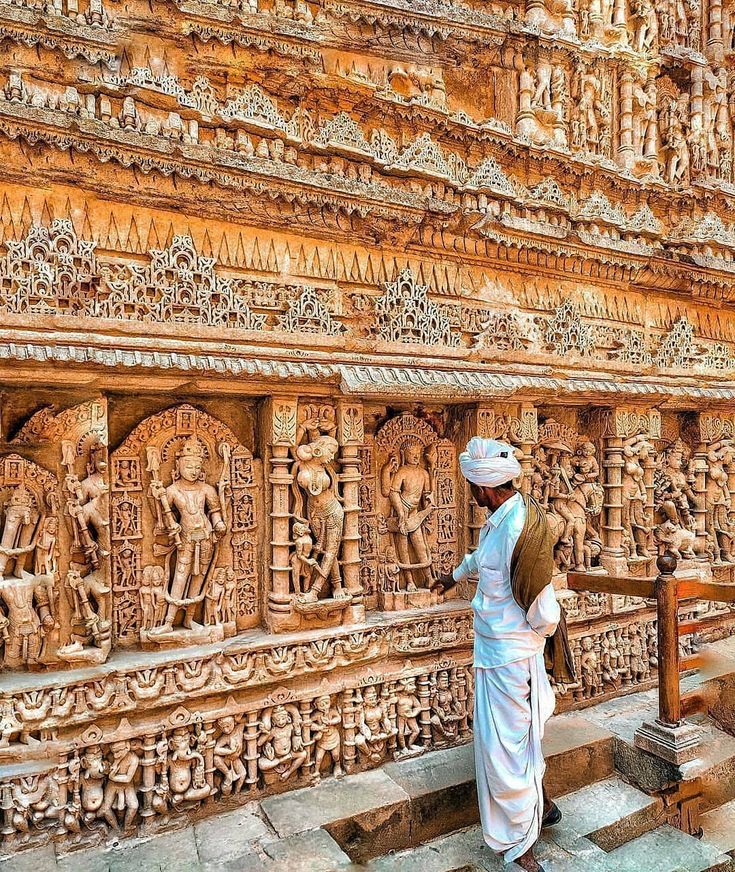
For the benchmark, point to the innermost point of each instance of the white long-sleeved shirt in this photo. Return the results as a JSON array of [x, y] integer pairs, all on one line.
[[505, 633]]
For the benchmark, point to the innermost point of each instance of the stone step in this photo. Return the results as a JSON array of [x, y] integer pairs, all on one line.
[[669, 850], [718, 826], [610, 812], [662, 850], [413, 801]]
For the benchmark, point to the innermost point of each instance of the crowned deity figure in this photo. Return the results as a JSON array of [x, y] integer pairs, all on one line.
[[191, 511]]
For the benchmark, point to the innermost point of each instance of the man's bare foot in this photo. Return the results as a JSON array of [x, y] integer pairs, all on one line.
[[528, 862]]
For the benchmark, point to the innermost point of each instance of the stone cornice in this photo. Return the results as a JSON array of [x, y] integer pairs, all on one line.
[[461, 383]]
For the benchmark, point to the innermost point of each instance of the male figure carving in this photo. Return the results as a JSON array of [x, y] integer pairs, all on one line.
[[193, 536]]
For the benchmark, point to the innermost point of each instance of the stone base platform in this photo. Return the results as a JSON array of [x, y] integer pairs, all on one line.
[[421, 813]]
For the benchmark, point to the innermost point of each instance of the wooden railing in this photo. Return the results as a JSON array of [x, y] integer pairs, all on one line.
[[670, 737]]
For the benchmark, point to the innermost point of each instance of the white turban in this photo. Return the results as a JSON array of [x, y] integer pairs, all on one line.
[[488, 463]]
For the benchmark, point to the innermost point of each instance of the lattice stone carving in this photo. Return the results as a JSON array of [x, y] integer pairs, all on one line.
[[406, 314], [424, 155], [678, 350], [634, 349], [202, 97], [549, 193], [50, 271], [566, 331], [308, 314], [342, 131], [502, 331], [178, 285], [490, 176], [719, 357], [253, 104]]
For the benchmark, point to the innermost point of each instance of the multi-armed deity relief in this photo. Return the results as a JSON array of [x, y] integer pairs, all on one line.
[[185, 513], [29, 582], [566, 482]]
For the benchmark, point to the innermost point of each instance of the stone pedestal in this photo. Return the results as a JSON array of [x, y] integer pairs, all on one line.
[[676, 744]]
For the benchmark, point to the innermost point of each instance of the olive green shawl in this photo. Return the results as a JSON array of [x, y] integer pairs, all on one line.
[[531, 569]]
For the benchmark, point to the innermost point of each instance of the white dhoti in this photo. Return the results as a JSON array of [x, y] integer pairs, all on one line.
[[512, 704]]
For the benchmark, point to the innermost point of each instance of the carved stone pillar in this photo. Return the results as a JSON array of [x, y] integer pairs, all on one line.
[[626, 153], [527, 436], [699, 468], [280, 425], [351, 435], [618, 425], [612, 557], [715, 34]]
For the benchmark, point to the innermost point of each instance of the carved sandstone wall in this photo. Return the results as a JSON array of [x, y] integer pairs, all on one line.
[[265, 265]]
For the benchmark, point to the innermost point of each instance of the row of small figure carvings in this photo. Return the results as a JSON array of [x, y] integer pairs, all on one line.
[[51, 271], [118, 780], [642, 27], [664, 135]]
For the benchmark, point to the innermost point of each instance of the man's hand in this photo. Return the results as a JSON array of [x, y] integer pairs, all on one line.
[[444, 583]]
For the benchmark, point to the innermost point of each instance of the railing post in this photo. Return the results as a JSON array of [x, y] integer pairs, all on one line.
[[668, 737], [667, 610]]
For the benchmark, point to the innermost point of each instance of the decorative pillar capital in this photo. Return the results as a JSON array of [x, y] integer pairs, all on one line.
[[716, 426], [622, 422], [282, 420], [350, 427]]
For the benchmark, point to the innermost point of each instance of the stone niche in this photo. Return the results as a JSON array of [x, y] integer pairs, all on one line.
[[186, 510]]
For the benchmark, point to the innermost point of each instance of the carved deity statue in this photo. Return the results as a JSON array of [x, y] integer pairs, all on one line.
[[374, 725], [325, 728], [645, 23], [27, 575], [571, 492], [92, 782], [121, 795], [675, 499], [228, 751], [281, 742], [591, 122], [674, 135], [446, 710], [720, 523], [88, 502], [408, 709], [191, 511], [409, 485], [302, 563], [645, 118], [314, 474], [184, 776], [637, 522]]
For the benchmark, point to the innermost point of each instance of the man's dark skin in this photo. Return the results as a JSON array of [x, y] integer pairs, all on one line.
[[492, 498]]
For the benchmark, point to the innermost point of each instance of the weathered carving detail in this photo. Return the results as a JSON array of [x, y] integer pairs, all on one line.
[[119, 781], [406, 314]]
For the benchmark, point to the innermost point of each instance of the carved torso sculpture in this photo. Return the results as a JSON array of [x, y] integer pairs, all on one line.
[[719, 521], [28, 597], [325, 726], [675, 500]]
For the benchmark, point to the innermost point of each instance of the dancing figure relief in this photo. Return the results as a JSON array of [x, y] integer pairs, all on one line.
[[318, 526]]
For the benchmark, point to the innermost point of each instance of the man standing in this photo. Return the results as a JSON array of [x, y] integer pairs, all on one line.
[[516, 621]]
